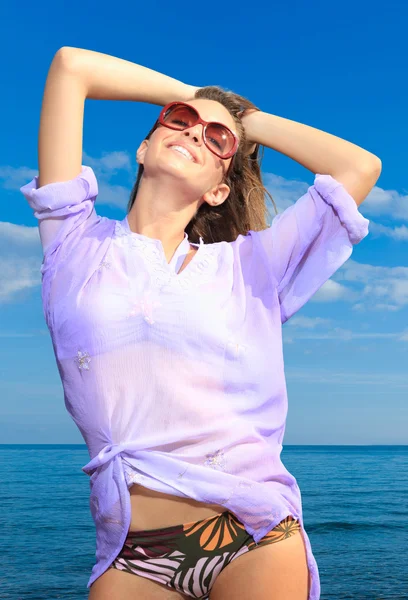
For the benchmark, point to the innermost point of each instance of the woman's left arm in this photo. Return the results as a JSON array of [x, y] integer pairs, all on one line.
[[320, 152]]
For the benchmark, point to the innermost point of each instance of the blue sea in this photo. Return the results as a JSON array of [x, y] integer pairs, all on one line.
[[355, 510]]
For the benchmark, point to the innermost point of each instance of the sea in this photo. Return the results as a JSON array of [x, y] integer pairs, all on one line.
[[355, 511]]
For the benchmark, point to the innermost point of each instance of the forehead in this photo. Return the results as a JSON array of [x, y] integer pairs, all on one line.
[[210, 110]]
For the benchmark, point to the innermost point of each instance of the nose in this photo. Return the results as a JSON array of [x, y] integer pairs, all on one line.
[[195, 132]]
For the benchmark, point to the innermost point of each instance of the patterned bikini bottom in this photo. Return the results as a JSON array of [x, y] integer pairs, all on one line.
[[189, 557]]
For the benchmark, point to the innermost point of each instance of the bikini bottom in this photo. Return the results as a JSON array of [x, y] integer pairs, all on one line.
[[189, 557]]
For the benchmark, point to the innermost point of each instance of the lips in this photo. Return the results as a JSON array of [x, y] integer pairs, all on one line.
[[187, 147]]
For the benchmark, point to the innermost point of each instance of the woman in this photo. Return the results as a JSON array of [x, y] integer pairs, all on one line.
[[166, 328]]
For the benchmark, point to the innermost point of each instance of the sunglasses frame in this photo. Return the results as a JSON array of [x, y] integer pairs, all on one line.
[[199, 121]]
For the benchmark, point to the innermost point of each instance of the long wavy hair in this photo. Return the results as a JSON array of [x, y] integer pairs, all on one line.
[[245, 208]]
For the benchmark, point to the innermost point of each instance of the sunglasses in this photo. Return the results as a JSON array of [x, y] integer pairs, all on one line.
[[217, 137]]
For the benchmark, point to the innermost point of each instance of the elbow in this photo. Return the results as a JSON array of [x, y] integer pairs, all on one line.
[[378, 166], [373, 167], [65, 57], [373, 170]]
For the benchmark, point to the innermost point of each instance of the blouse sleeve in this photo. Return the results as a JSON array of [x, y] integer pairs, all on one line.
[[309, 241], [63, 208]]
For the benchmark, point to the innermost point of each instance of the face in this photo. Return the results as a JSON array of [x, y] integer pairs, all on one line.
[[204, 173]]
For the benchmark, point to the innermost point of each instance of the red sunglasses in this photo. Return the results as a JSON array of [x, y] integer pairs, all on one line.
[[217, 137]]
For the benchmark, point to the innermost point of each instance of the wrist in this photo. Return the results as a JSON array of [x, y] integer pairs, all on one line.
[[189, 92], [249, 120], [183, 93]]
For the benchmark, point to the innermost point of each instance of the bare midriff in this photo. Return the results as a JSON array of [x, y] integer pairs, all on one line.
[[154, 510]]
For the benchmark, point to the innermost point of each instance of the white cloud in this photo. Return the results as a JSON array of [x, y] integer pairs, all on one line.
[[12, 178], [307, 322], [301, 329], [20, 260], [398, 233], [18, 274], [105, 168], [388, 203], [332, 292], [110, 162], [284, 191], [18, 234], [366, 288], [114, 195]]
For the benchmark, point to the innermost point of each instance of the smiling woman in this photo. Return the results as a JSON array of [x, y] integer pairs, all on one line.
[[166, 326], [225, 197]]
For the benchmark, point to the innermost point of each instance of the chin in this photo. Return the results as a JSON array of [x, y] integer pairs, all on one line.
[[172, 168]]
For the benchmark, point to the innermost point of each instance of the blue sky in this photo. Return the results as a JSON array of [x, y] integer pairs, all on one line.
[[336, 67]]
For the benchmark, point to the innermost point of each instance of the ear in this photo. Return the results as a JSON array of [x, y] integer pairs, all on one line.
[[141, 151], [217, 195]]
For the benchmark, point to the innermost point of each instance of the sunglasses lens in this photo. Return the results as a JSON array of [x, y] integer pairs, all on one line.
[[180, 117], [220, 139]]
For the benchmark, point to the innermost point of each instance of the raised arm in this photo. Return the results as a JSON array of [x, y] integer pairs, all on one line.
[[76, 74], [61, 122]]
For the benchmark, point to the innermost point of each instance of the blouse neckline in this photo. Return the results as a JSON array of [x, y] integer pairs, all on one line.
[[152, 250]]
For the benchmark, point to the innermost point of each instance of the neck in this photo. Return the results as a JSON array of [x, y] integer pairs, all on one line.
[[161, 212]]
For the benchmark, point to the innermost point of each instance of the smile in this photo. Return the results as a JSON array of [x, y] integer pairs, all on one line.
[[182, 151]]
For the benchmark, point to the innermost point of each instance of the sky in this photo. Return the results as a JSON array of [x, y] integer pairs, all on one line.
[[339, 67]]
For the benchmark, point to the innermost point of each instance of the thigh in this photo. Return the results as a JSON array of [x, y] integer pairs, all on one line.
[[118, 585], [277, 570]]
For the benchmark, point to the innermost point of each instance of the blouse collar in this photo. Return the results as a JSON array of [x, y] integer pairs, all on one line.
[[181, 251]]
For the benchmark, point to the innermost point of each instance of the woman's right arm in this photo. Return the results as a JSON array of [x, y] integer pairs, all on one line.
[[76, 74]]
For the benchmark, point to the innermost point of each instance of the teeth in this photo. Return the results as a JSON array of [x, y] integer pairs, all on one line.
[[183, 151]]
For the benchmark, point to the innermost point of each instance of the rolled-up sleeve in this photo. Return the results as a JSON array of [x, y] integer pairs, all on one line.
[[309, 241], [62, 208]]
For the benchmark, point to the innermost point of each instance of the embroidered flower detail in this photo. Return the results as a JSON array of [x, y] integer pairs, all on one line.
[[105, 264], [245, 484], [241, 484], [133, 477], [215, 460], [83, 359], [229, 498], [180, 475], [146, 306], [200, 271]]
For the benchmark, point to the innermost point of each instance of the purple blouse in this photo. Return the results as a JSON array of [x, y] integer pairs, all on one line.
[[176, 381]]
